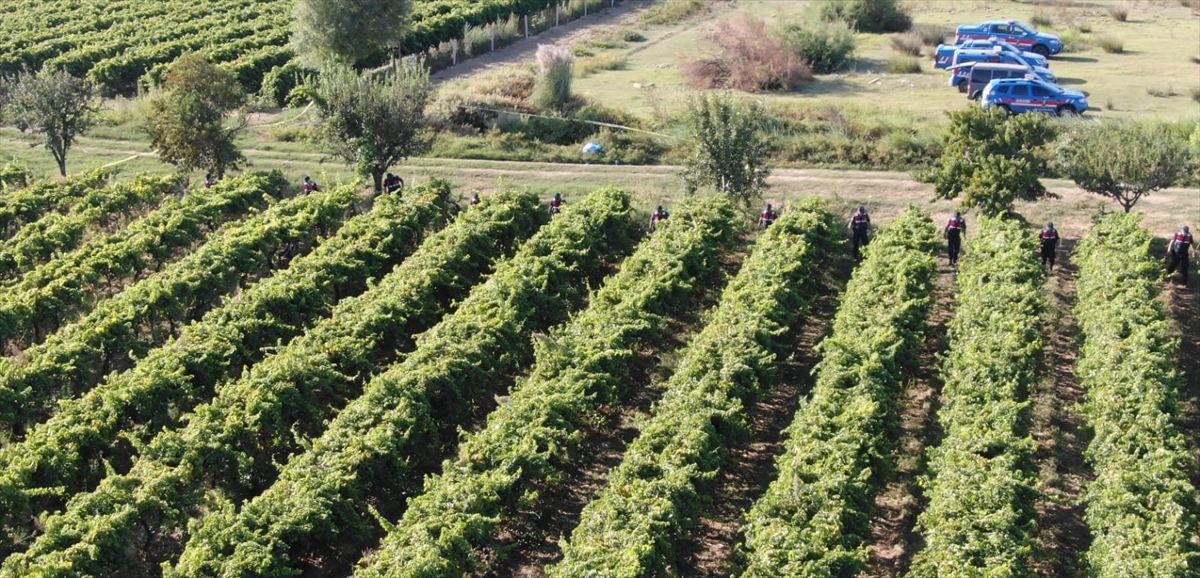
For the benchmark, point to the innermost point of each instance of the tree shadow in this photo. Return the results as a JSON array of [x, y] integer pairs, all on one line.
[[1076, 59], [1071, 81]]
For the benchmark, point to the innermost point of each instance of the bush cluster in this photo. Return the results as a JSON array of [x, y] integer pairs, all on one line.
[[867, 15]]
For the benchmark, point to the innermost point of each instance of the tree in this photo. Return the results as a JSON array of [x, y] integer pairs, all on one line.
[[991, 159], [346, 31], [375, 120], [52, 103], [867, 15], [1125, 161], [729, 149], [187, 121]]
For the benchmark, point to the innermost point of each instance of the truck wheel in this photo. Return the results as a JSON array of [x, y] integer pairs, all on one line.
[[1007, 111], [1066, 110], [975, 96], [962, 86], [1041, 50]]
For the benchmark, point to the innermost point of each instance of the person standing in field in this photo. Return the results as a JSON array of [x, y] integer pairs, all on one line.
[[659, 214], [955, 230], [310, 186], [860, 223], [767, 217], [1178, 251], [1049, 238], [556, 204]]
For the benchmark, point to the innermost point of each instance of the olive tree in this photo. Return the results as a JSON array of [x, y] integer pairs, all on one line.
[[52, 103], [187, 123], [729, 148], [374, 120], [1125, 161], [991, 160], [346, 31]]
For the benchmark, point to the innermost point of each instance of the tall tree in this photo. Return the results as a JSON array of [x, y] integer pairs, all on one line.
[[729, 148], [375, 120], [346, 31], [51, 103], [1126, 161], [187, 123], [991, 160]]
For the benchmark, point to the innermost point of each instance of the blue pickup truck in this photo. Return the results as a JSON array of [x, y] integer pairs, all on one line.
[[944, 57], [1020, 35]]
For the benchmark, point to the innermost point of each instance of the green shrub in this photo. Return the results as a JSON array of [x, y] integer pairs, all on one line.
[[826, 46], [907, 44], [867, 15], [1074, 41], [630, 148], [904, 65], [930, 34], [667, 13], [633, 36], [553, 89], [279, 82], [594, 64], [1110, 44]]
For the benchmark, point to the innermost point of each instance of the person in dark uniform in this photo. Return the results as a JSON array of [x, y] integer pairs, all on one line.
[[955, 230], [767, 217], [1178, 253], [393, 183], [860, 224], [475, 198], [659, 214], [1049, 238], [209, 180], [310, 186], [556, 204]]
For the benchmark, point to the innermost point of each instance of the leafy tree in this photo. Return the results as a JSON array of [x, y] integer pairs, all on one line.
[[867, 15], [187, 121], [375, 120], [992, 160], [52, 103], [1125, 161], [346, 31], [729, 148]]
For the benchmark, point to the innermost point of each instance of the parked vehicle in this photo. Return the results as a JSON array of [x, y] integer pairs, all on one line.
[[1018, 95], [979, 74], [961, 74], [944, 56], [1016, 33]]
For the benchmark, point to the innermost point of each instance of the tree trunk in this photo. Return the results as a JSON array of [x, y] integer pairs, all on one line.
[[61, 159], [377, 175]]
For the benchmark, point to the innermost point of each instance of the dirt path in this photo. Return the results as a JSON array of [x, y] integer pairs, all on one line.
[[524, 50], [709, 549], [894, 538], [1059, 431], [1184, 307]]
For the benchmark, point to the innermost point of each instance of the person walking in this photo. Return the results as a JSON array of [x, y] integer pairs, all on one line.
[[310, 186], [209, 180], [659, 214], [1178, 252], [556, 204], [1049, 238], [767, 217], [860, 223], [953, 233]]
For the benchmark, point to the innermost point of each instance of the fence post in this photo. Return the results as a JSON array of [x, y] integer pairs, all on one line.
[[526, 26], [493, 37], [453, 51], [585, 3], [556, 7]]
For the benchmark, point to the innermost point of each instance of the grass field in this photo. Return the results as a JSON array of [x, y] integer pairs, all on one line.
[[1157, 36]]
